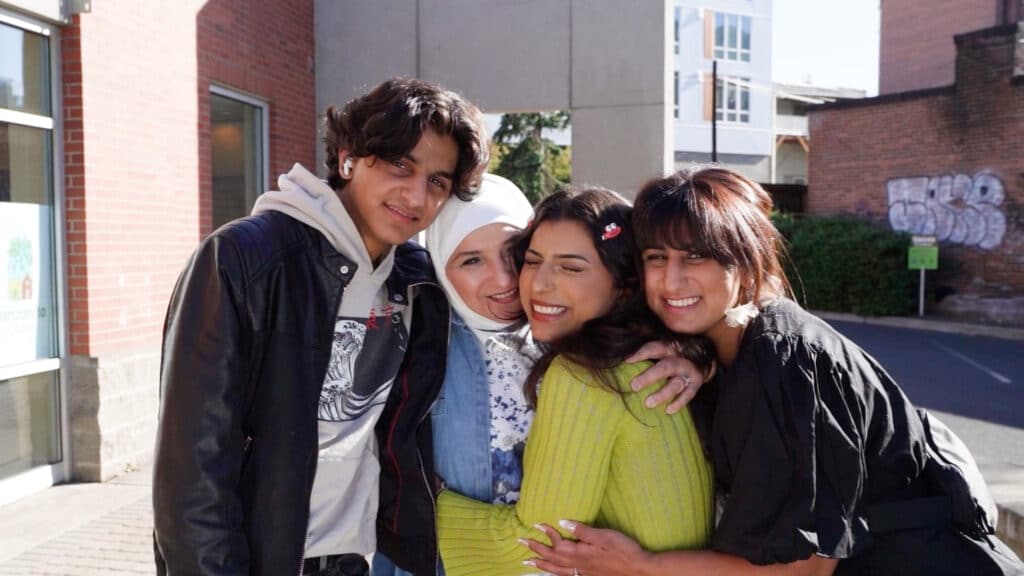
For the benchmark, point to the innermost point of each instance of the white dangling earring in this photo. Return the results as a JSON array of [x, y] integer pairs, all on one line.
[[742, 315], [346, 167]]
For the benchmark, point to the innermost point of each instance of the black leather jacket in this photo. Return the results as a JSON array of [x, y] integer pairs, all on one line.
[[247, 341]]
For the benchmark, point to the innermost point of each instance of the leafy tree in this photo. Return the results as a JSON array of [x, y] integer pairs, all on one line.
[[525, 156]]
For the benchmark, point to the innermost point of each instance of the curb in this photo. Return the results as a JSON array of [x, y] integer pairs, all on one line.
[[926, 323]]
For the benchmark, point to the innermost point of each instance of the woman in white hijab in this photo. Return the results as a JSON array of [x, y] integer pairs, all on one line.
[[482, 418]]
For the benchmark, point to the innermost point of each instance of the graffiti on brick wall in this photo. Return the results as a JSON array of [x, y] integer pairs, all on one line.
[[955, 208]]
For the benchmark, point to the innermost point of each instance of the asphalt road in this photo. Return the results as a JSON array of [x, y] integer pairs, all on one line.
[[972, 376], [974, 383]]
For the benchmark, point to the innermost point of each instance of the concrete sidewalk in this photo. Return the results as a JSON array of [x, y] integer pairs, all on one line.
[[105, 529], [936, 324], [81, 529]]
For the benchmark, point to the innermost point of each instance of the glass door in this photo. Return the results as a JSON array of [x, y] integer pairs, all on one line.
[[238, 146], [31, 435]]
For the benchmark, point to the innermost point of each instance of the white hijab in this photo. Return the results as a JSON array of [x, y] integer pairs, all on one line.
[[498, 201]]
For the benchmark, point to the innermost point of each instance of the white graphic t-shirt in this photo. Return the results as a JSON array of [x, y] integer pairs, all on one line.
[[365, 356], [371, 334]]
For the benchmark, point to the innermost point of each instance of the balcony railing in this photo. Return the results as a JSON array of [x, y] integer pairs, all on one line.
[[790, 125]]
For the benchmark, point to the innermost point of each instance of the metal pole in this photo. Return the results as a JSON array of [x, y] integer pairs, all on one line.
[[714, 110], [920, 296]]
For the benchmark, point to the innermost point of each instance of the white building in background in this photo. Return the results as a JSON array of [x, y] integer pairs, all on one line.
[[792, 137], [738, 35], [761, 126]]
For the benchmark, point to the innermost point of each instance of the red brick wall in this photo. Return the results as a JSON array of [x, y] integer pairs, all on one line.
[[916, 40], [263, 48], [971, 128], [74, 187], [136, 134]]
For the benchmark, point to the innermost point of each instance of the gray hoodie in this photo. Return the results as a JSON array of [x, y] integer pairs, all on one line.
[[370, 337]]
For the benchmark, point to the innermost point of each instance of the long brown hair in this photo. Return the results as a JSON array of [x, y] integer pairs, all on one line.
[[726, 214], [603, 343]]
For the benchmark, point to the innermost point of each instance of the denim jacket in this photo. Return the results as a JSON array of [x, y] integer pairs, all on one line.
[[461, 419]]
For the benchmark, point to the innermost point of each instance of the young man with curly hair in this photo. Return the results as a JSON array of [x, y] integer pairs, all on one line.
[[303, 348]]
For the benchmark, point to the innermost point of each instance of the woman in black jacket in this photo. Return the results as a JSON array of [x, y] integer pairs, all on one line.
[[821, 463]]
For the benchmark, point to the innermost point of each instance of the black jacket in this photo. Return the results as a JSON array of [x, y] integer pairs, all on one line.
[[247, 341]]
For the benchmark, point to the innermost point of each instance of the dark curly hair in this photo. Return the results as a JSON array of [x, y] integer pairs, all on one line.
[[388, 121], [603, 343]]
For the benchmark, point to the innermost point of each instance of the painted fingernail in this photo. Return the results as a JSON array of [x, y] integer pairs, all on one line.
[[523, 542], [650, 402], [568, 525], [529, 563], [539, 526]]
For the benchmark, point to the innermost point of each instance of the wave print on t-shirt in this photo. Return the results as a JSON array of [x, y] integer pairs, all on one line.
[[365, 357]]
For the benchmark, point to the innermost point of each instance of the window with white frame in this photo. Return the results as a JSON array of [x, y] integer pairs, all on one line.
[[678, 17], [732, 37], [30, 364], [675, 95], [732, 100], [239, 144]]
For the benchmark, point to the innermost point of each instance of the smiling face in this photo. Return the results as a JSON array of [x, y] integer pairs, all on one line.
[[480, 270], [392, 201], [690, 292], [563, 282]]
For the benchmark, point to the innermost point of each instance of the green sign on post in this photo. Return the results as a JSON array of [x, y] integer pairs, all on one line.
[[923, 255], [923, 258]]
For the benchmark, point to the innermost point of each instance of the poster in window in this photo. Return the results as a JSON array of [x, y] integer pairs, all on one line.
[[26, 288]]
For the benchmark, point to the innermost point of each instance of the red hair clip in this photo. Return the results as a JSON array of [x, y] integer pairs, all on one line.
[[611, 231]]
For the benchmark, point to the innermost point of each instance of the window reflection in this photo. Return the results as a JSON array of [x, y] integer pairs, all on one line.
[[236, 142], [24, 71], [29, 423]]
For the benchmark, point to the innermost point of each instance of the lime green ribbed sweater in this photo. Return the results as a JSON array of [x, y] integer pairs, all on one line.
[[589, 459]]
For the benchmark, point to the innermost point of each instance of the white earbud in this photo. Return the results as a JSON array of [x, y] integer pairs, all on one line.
[[346, 167]]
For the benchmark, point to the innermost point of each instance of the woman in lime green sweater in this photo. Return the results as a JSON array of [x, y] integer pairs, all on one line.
[[594, 453]]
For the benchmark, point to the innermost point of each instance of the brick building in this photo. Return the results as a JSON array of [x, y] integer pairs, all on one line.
[[943, 161], [129, 129], [916, 38], [128, 132]]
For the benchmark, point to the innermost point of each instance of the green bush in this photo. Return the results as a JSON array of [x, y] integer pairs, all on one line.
[[843, 264]]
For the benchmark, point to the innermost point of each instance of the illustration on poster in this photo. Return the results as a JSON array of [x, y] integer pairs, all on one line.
[[19, 269]]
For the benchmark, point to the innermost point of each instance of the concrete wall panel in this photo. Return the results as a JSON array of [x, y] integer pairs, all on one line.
[[618, 147], [360, 43], [619, 53], [505, 56], [608, 63]]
